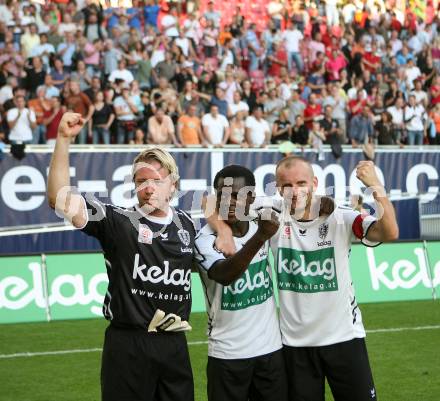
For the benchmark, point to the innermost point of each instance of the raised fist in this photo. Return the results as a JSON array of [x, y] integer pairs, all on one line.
[[268, 224], [70, 125]]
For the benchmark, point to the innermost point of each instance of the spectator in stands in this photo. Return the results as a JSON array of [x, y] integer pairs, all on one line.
[[29, 40], [253, 46], [218, 99], [22, 121], [82, 76], [300, 132], [317, 138], [238, 130], [361, 129], [6, 91], [101, 121], [238, 106], [39, 106], [258, 132], [281, 128], [189, 128], [209, 39], [161, 129], [121, 73], [52, 118], [66, 50], [397, 115], [35, 75], [78, 102], [126, 111], [415, 120], [292, 37], [273, 107], [212, 15], [170, 23], [215, 127], [330, 127], [151, 12], [166, 68], [385, 131], [44, 50], [312, 111]]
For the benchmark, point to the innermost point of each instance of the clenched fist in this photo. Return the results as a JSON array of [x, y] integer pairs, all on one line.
[[70, 125], [268, 225], [366, 172]]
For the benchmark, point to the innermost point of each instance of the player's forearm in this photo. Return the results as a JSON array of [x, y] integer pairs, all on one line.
[[385, 228], [58, 170], [387, 224], [227, 271]]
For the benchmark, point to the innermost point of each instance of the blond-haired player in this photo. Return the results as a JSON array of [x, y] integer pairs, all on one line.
[[148, 251]]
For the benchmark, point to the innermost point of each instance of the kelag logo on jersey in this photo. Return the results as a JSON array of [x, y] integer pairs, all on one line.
[[307, 271], [253, 288]]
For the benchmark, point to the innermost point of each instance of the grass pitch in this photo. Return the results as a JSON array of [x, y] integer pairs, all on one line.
[[403, 343]]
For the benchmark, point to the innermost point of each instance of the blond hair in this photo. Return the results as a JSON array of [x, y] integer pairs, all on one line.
[[162, 156]]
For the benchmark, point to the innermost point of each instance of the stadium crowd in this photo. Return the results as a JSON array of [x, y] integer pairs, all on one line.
[[313, 73]]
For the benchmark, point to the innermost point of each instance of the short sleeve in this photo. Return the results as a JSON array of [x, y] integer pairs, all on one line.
[[12, 114], [359, 223], [206, 253], [100, 221]]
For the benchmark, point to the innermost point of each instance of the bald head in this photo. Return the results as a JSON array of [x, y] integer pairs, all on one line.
[[292, 161]]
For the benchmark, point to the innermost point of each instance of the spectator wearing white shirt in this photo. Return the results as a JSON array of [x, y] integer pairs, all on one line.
[[43, 50], [6, 91], [292, 38], [126, 111], [415, 118], [419, 93], [238, 106], [397, 112], [257, 129], [412, 72], [215, 127], [396, 43], [22, 121], [121, 73], [169, 23], [213, 15]]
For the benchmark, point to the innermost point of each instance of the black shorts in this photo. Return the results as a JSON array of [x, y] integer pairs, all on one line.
[[142, 366], [345, 365], [262, 378]]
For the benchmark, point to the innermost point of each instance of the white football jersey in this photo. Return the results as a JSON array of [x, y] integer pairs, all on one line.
[[242, 317], [317, 301]]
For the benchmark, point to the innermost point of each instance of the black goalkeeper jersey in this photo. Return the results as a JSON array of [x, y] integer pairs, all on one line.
[[148, 264]]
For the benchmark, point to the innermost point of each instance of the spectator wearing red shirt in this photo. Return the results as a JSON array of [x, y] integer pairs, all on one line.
[[335, 64], [435, 91], [52, 119], [355, 106], [277, 59], [312, 110], [395, 23], [371, 61]]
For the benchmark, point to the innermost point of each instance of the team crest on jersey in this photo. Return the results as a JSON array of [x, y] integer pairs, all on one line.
[[287, 232], [145, 235], [323, 230], [184, 237]]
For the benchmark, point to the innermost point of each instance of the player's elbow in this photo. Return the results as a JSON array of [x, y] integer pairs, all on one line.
[[393, 235], [51, 200]]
